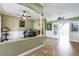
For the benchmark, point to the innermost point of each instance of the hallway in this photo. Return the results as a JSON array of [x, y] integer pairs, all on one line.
[[54, 47]]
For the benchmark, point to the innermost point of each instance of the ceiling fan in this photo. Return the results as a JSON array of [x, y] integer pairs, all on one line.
[[25, 15], [60, 18]]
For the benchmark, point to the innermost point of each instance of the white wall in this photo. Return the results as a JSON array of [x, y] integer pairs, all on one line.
[[74, 36], [14, 35], [50, 33]]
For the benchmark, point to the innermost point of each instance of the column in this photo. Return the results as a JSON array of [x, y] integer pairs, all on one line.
[[0, 27], [41, 24]]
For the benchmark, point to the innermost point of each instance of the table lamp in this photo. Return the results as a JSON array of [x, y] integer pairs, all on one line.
[[5, 30]]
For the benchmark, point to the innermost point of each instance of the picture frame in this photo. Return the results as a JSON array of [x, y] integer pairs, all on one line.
[[74, 27], [49, 26], [22, 23], [55, 29]]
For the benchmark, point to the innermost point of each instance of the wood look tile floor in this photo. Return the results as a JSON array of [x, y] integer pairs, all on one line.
[[53, 47]]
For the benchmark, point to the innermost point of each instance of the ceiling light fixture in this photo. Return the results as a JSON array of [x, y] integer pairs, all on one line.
[[25, 16], [60, 18]]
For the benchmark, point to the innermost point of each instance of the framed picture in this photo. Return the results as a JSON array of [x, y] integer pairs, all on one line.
[[55, 29], [49, 26], [74, 27], [22, 23]]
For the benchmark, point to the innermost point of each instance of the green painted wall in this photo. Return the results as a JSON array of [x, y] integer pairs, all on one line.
[[13, 23], [10, 22], [36, 23], [18, 47]]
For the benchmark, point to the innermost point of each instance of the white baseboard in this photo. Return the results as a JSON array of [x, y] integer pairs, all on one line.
[[75, 41], [27, 52]]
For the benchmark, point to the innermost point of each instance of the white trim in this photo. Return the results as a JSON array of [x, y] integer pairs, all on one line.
[[74, 41], [31, 50], [19, 39]]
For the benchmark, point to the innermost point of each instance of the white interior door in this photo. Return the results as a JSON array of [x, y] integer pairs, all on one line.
[[65, 31], [64, 45]]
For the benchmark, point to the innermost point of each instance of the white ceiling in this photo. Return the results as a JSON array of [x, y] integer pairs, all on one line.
[[54, 10], [14, 9], [51, 10]]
